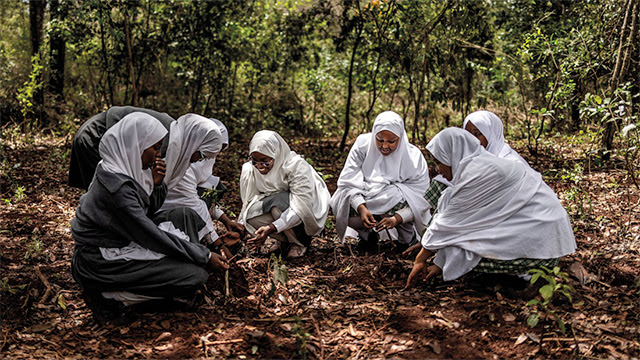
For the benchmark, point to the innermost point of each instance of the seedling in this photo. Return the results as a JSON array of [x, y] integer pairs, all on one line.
[[556, 284]]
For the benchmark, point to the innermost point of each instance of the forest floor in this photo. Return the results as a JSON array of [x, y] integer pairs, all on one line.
[[337, 303]]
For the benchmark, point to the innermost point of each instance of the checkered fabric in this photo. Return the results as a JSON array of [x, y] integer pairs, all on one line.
[[391, 212], [514, 267], [433, 193]]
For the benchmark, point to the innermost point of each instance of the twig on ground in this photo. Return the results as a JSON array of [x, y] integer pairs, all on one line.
[[46, 283]]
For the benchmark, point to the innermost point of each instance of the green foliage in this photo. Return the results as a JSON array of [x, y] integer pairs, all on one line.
[[556, 285], [27, 92], [579, 199], [302, 337], [34, 248], [280, 273]]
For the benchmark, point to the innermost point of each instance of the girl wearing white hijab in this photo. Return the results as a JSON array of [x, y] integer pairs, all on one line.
[[282, 196], [487, 127], [192, 138], [497, 216], [196, 180], [120, 253], [382, 184]]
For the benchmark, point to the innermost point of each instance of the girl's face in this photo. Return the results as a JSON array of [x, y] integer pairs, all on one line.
[[475, 132], [387, 142], [444, 170], [197, 156], [262, 162], [150, 154]]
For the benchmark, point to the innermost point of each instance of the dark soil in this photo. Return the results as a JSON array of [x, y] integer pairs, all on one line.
[[337, 303]]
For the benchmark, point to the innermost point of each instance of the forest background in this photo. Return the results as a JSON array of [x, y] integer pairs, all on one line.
[[563, 75]]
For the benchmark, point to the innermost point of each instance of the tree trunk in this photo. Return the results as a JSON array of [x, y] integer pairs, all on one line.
[[36, 19], [347, 124], [132, 77], [58, 52], [625, 46]]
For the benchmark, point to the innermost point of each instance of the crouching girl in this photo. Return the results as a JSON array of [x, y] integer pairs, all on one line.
[[498, 216], [283, 197], [120, 253]]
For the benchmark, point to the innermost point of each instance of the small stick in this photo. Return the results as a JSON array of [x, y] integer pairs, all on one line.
[[226, 277], [45, 282]]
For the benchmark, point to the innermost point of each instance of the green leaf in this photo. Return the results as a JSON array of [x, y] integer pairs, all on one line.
[[535, 278], [62, 302], [598, 99], [546, 291], [533, 319], [533, 302]]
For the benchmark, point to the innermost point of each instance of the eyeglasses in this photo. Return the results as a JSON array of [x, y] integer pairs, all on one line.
[[255, 162], [202, 156]]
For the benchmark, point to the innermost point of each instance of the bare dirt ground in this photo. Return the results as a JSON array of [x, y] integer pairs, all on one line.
[[337, 303]]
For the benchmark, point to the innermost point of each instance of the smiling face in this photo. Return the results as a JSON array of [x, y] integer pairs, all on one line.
[[475, 132], [149, 155], [387, 142], [262, 162]]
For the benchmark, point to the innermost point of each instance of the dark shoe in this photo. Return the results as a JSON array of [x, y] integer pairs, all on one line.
[[104, 310], [371, 244]]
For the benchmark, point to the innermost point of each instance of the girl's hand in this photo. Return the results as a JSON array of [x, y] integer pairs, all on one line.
[[217, 262], [230, 238], [389, 222], [158, 171], [366, 216], [261, 235], [235, 227], [412, 249], [420, 270]]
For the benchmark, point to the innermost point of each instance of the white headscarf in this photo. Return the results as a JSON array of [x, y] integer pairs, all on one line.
[[309, 196], [496, 209], [491, 127], [199, 174], [121, 147], [190, 133], [401, 175]]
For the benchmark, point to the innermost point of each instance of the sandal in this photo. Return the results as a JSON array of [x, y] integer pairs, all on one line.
[[296, 251], [270, 246]]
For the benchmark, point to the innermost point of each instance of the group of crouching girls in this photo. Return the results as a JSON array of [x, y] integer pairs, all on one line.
[[144, 229]]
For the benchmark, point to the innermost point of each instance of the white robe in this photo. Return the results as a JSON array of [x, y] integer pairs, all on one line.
[[491, 127], [496, 209], [308, 194], [383, 181], [190, 133], [199, 174]]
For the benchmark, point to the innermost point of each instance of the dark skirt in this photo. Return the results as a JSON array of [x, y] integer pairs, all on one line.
[[166, 277]]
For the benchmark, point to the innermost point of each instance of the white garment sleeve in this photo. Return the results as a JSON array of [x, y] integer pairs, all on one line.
[[406, 214], [216, 213], [287, 220], [356, 201]]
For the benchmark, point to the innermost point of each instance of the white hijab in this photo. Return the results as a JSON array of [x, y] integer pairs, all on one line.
[[309, 197], [121, 147], [185, 194], [496, 209], [401, 175], [190, 133], [491, 127]]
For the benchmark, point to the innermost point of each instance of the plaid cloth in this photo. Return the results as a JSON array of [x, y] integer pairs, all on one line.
[[398, 206], [514, 267], [433, 193]]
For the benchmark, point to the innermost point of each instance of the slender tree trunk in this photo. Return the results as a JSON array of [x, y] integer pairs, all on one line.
[[58, 52], [36, 19], [625, 46], [105, 58], [347, 123], [132, 77]]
